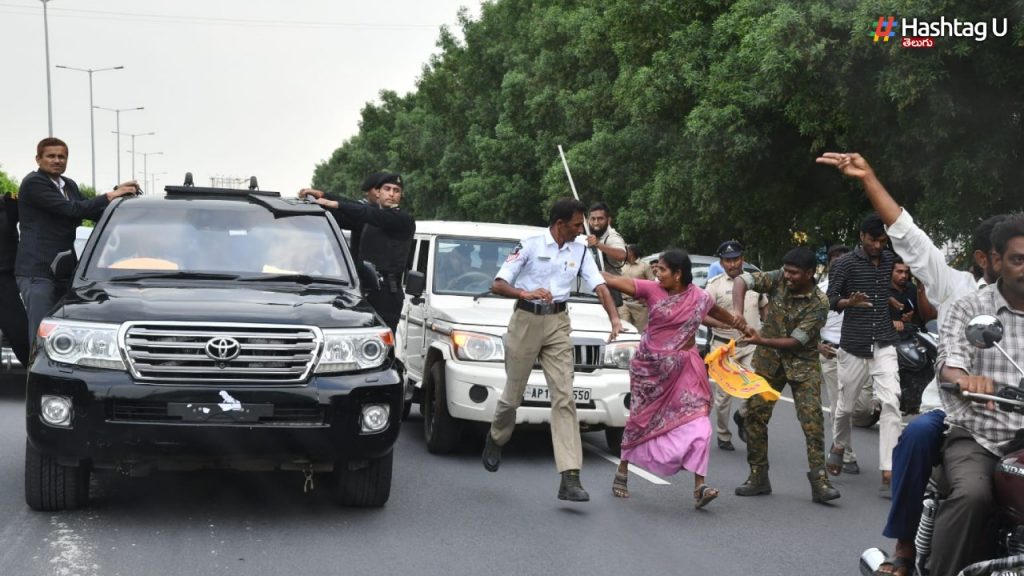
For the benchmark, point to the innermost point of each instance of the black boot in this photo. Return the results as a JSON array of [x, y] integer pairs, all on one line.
[[757, 483], [492, 454], [571, 489], [821, 489], [741, 425]]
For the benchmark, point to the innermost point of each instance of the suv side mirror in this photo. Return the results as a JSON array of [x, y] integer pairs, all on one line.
[[368, 276], [415, 284], [63, 265]]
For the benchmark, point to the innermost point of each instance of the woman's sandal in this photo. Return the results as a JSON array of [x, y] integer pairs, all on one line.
[[703, 495], [619, 488], [834, 461]]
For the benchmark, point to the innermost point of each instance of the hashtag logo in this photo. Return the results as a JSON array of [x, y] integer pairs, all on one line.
[[885, 29]]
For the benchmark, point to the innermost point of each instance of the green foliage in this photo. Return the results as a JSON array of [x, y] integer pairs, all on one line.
[[8, 185], [699, 121], [87, 191]]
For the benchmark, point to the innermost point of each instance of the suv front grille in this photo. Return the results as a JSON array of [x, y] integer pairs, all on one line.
[[184, 353], [585, 358]]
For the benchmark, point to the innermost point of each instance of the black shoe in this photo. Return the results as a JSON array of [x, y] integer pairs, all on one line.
[[726, 445], [821, 489], [741, 426], [571, 489], [851, 467], [492, 454], [757, 483]]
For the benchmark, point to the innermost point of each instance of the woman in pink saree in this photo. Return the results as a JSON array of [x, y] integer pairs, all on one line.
[[668, 428]]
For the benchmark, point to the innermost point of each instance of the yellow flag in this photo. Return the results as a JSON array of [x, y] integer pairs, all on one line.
[[734, 379]]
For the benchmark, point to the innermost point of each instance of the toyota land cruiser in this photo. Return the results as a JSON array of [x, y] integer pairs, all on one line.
[[212, 328]]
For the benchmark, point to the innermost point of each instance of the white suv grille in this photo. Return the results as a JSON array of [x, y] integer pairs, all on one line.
[[178, 352]]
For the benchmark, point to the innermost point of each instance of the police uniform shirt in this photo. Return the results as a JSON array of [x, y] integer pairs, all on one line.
[[538, 262]]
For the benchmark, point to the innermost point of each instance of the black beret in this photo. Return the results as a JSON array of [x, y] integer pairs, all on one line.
[[390, 178], [371, 182]]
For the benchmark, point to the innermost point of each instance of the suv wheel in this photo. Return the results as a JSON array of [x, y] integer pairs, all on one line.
[[365, 487], [440, 430], [50, 486], [613, 436]]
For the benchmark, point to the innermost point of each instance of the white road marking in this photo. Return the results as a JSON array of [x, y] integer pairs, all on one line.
[[641, 473]]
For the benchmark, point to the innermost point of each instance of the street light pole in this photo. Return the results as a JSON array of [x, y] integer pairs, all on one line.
[[133, 149], [117, 113], [49, 97], [92, 122], [154, 180], [145, 163]]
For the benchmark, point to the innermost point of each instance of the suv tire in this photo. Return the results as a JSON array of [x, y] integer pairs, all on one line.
[[50, 486], [366, 487], [440, 430], [613, 436]]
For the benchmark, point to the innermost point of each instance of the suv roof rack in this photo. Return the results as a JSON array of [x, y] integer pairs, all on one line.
[[204, 191]]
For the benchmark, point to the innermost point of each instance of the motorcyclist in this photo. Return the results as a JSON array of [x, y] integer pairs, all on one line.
[[979, 434], [917, 451]]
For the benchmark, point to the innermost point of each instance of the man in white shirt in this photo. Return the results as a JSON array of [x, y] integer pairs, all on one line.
[[540, 274], [918, 448]]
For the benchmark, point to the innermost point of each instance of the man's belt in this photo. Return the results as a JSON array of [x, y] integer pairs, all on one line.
[[832, 344], [541, 308], [721, 339]]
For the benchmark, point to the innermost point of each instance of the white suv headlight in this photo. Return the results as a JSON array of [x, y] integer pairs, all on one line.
[[346, 350], [81, 343], [618, 354], [478, 347]]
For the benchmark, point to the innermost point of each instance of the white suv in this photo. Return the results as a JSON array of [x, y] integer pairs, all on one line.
[[452, 339]]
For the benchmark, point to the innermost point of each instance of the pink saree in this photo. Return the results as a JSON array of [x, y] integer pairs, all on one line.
[[671, 397]]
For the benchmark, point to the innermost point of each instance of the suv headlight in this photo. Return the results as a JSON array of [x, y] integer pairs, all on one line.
[[618, 354], [478, 347], [346, 350], [81, 343]]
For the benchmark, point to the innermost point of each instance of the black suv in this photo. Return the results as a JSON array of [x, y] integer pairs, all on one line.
[[212, 328]]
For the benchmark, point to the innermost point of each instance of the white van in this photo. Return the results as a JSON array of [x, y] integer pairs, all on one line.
[[452, 339]]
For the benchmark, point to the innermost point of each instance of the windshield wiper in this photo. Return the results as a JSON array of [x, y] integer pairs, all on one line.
[[297, 278], [482, 294], [174, 276]]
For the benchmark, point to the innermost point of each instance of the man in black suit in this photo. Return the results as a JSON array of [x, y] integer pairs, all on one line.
[[50, 207]]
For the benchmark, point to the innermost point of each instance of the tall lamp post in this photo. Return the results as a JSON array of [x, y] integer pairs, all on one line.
[[49, 98], [133, 149], [154, 179], [117, 113], [92, 122], [145, 165]]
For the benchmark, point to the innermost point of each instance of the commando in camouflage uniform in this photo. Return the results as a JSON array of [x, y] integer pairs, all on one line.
[[798, 316]]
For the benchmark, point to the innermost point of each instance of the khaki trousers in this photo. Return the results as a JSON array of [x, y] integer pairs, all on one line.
[[531, 336], [882, 372], [723, 401], [634, 312]]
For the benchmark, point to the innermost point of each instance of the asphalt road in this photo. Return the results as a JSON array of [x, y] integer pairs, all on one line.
[[447, 515]]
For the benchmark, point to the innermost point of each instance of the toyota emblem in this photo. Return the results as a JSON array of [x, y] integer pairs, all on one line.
[[223, 348]]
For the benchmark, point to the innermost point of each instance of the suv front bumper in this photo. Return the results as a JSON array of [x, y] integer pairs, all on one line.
[[117, 422], [609, 389]]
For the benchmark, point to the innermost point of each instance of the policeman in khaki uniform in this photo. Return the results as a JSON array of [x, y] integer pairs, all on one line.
[[539, 275], [730, 254]]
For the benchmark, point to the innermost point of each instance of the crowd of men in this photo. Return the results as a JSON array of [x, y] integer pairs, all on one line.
[[834, 334]]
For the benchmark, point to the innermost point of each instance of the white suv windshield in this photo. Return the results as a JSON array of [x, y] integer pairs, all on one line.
[[467, 266], [215, 237]]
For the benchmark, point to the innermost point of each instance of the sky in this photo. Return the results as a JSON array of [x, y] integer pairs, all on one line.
[[231, 88]]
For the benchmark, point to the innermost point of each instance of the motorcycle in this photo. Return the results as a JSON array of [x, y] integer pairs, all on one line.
[[1008, 480], [916, 355]]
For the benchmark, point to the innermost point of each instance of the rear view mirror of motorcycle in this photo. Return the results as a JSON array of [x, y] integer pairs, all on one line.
[[986, 332]]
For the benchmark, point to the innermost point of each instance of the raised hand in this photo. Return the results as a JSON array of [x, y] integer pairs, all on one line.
[[851, 164]]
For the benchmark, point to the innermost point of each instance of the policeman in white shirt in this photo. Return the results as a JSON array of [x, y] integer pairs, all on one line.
[[540, 274]]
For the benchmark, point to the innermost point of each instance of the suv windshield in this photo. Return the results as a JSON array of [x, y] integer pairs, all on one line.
[[467, 266], [232, 238]]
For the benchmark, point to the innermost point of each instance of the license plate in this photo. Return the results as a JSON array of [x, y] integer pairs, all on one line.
[[541, 394]]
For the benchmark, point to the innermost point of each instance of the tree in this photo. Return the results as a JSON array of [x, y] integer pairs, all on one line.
[[700, 121]]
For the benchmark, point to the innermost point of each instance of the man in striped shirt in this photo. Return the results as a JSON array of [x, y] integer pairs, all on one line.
[[859, 287]]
